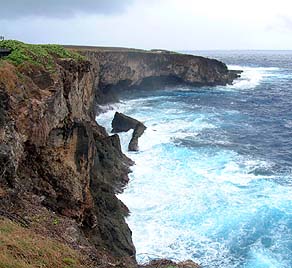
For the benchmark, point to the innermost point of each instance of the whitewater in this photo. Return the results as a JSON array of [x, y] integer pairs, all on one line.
[[212, 179]]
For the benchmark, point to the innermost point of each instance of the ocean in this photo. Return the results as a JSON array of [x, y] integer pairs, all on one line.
[[212, 181]]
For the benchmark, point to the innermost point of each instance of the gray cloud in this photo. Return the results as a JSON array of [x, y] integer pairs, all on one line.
[[13, 9]]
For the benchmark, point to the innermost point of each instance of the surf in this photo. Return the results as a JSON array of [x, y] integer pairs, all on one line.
[[197, 192]]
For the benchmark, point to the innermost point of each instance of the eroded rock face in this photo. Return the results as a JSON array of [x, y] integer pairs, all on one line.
[[53, 155], [121, 70]]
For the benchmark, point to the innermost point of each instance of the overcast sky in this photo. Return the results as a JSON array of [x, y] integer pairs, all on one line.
[[169, 24]]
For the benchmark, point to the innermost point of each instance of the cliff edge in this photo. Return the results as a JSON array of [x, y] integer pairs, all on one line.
[[125, 69]]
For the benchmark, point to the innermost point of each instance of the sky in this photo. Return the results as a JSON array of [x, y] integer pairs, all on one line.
[[165, 24]]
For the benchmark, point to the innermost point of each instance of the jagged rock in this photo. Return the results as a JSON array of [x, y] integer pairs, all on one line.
[[138, 131], [123, 123], [165, 263], [54, 156]]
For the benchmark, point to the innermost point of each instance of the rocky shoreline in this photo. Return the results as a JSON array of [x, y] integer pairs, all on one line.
[[59, 170]]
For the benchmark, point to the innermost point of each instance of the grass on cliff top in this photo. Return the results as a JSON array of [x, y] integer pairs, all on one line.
[[44, 55], [22, 248]]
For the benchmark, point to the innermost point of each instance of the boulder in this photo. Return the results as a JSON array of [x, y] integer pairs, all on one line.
[[166, 263]]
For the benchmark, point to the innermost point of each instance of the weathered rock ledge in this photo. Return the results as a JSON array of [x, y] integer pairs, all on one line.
[[59, 170], [125, 69]]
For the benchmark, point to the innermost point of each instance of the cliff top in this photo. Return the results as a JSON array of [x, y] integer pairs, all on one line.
[[116, 49], [46, 54], [43, 55], [17, 52]]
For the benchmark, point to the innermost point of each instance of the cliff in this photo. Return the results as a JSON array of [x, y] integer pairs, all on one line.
[[125, 69], [59, 170]]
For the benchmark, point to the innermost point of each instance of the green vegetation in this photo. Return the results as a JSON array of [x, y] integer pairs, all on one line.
[[69, 261], [56, 221], [22, 248], [44, 55]]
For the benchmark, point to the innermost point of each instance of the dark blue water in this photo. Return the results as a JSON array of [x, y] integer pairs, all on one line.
[[212, 181]]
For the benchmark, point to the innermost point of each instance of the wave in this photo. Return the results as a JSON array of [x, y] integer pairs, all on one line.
[[193, 192], [251, 77], [190, 204]]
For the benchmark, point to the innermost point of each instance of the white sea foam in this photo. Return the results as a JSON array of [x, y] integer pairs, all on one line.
[[180, 198], [288, 123], [208, 203], [251, 77]]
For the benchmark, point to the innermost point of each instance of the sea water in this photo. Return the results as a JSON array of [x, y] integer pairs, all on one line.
[[212, 180]]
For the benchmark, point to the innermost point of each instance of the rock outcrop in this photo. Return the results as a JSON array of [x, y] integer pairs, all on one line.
[[58, 168], [130, 69], [165, 263], [123, 123], [138, 132]]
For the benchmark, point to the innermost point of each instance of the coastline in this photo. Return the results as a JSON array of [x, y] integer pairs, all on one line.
[[59, 163]]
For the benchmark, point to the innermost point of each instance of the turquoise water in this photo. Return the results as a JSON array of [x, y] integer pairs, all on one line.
[[212, 180]]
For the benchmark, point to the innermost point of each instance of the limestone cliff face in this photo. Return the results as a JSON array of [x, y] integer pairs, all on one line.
[[121, 70], [59, 169], [56, 161]]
